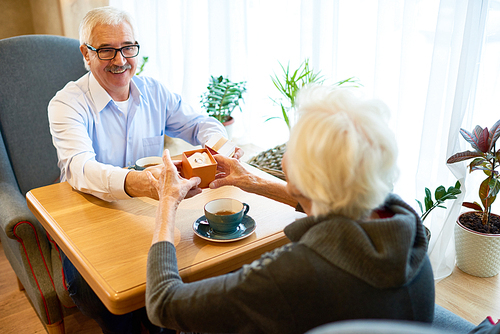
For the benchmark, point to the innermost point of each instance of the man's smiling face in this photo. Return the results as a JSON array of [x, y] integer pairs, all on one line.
[[113, 75]]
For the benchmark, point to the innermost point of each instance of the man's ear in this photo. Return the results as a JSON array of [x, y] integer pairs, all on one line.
[[85, 52]]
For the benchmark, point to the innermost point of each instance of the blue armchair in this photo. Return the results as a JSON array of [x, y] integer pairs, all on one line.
[[33, 68]]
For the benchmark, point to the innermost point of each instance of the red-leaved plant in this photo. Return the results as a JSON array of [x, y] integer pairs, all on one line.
[[486, 158]]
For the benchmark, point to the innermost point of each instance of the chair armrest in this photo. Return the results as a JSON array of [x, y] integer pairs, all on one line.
[[29, 253], [13, 208]]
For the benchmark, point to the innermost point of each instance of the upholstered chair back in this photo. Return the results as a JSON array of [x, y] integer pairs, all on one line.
[[33, 68]]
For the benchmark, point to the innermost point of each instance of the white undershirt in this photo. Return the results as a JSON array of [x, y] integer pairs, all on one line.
[[123, 105]]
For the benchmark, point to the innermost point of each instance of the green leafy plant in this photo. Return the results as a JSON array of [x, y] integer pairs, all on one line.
[[441, 194], [222, 97], [291, 81], [485, 158], [290, 84], [143, 63]]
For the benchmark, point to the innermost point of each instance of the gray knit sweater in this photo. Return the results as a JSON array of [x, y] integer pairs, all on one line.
[[333, 269]]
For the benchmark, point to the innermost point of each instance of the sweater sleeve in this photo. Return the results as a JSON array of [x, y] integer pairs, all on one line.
[[236, 302], [162, 276]]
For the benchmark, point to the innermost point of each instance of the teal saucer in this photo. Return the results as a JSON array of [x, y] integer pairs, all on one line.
[[245, 229]]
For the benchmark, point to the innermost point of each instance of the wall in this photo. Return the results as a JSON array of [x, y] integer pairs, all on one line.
[[73, 12], [46, 17], [53, 17], [16, 19]]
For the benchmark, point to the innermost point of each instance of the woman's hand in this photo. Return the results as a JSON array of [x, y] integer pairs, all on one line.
[[170, 185], [172, 189], [238, 153], [231, 173]]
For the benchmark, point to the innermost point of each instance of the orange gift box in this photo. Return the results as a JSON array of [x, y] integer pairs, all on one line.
[[206, 172]]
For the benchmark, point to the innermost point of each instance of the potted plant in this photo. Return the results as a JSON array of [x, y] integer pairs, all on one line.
[[144, 61], [289, 85], [292, 81], [221, 98], [441, 194], [477, 233]]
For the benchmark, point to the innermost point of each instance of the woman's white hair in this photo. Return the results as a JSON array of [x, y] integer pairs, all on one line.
[[341, 153], [103, 16]]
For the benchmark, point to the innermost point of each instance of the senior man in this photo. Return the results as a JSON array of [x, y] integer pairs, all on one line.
[[109, 118], [105, 121]]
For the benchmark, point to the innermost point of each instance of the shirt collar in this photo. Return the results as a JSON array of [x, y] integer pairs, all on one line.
[[102, 98], [135, 92], [99, 95]]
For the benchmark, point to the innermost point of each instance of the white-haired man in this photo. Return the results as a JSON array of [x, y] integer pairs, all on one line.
[[110, 117], [105, 121]]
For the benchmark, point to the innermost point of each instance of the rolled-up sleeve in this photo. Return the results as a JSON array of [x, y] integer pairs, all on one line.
[[76, 156]]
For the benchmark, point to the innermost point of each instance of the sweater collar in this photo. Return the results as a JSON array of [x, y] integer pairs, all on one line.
[[383, 252]]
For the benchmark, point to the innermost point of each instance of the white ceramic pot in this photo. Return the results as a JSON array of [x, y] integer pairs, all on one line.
[[229, 127], [478, 254]]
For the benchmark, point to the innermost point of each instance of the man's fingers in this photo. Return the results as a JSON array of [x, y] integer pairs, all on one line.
[[193, 192]]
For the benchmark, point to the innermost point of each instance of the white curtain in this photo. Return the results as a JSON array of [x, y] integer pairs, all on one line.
[[451, 96], [429, 60]]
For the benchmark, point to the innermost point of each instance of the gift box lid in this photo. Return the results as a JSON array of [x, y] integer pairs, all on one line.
[[218, 144]]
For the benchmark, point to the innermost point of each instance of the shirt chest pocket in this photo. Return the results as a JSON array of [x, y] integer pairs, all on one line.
[[153, 146]]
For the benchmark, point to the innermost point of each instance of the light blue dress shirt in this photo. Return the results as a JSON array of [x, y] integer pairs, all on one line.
[[95, 139]]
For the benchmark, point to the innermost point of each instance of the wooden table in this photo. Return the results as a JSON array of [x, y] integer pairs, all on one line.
[[109, 242]]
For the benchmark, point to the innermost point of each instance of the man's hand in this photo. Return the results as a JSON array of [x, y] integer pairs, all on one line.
[[138, 184]]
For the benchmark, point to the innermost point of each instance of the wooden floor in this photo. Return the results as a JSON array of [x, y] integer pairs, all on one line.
[[470, 297]]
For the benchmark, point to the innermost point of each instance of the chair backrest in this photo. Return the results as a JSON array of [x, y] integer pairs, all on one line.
[[33, 68]]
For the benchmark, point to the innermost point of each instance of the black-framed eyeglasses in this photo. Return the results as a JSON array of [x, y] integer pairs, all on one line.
[[128, 51]]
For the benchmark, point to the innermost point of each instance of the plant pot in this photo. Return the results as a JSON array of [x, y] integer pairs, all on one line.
[[478, 254], [229, 127]]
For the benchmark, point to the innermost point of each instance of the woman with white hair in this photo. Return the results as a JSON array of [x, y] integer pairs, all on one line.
[[361, 252]]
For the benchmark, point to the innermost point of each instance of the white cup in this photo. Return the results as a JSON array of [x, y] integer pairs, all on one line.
[[146, 162]]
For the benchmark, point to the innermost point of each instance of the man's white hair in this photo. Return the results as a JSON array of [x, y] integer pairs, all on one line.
[[102, 16], [341, 153]]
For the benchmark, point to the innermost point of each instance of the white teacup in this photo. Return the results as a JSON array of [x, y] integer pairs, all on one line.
[[146, 162]]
